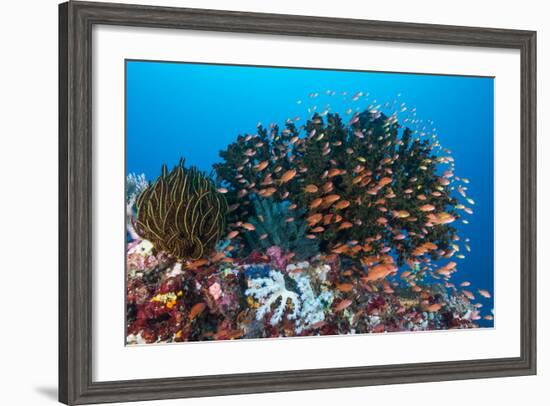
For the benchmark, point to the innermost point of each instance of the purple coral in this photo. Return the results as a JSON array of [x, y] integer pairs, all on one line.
[[276, 256]]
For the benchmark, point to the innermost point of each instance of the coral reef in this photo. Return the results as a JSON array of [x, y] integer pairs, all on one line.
[[181, 213], [333, 227], [168, 303]]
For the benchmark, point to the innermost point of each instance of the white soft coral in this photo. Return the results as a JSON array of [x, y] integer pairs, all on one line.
[[307, 308], [268, 291], [313, 306]]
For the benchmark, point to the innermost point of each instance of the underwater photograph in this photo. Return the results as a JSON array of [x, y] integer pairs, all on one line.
[[271, 202]]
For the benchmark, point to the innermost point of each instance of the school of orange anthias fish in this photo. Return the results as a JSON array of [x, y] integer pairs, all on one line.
[[342, 225]]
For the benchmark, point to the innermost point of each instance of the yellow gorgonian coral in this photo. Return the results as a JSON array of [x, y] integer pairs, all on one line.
[[165, 298]]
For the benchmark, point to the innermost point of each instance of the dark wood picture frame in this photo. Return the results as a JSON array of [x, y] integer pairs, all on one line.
[[76, 20]]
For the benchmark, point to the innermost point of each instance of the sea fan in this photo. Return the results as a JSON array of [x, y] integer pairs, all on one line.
[[276, 225], [181, 213]]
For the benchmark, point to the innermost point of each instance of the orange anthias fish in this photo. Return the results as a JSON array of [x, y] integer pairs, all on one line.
[[327, 218], [344, 304], [405, 274], [311, 189], [328, 187], [344, 287], [384, 181], [218, 256], [357, 179], [335, 172], [429, 246], [345, 225], [267, 192], [356, 249], [434, 307], [314, 219], [444, 181], [196, 310], [342, 205], [427, 207], [316, 203], [379, 271], [340, 249], [441, 218], [288, 175], [370, 260], [468, 294], [261, 166], [382, 220], [248, 226], [196, 264], [447, 270], [484, 293], [331, 199], [401, 214], [232, 234]]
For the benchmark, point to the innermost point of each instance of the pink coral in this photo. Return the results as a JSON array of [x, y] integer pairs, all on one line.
[[215, 290], [276, 255]]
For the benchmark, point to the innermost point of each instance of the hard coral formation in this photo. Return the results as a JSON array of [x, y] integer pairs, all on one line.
[[181, 213]]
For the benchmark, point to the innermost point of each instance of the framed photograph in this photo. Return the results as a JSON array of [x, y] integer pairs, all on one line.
[[259, 202]]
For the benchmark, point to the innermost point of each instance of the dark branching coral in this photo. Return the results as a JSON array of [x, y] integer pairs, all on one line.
[[379, 174], [181, 213], [372, 148], [240, 173], [276, 225]]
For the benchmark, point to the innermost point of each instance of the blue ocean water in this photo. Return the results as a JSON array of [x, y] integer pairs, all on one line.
[[195, 110]]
